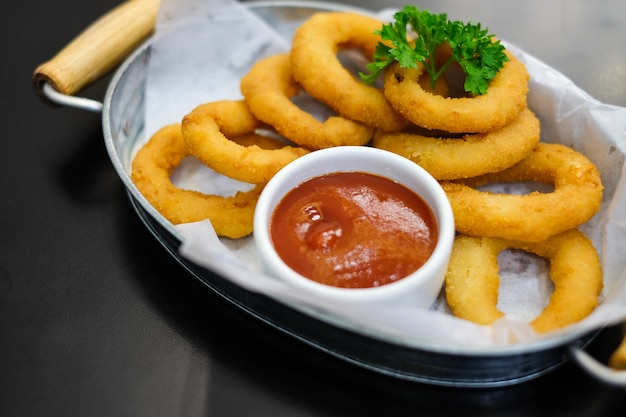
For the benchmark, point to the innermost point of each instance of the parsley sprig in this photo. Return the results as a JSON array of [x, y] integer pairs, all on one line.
[[477, 52]]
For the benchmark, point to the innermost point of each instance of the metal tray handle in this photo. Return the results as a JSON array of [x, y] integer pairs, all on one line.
[[614, 374], [95, 52]]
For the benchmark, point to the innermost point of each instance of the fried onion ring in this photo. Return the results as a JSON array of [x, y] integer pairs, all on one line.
[[151, 171], [576, 197], [317, 69], [207, 129], [617, 360], [268, 88], [470, 155], [504, 99], [472, 281]]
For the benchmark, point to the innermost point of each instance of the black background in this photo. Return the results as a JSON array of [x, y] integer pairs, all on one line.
[[97, 320]]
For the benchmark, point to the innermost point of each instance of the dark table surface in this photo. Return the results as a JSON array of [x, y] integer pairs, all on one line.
[[97, 320]]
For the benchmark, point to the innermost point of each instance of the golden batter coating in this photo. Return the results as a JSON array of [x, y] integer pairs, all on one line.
[[472, 281], [268, 88], [495, 109], [207, 129], [536, 216], [467, 156], [151, 171], [319, 71]]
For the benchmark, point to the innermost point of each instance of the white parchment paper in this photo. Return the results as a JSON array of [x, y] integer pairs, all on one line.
[[202, 50]]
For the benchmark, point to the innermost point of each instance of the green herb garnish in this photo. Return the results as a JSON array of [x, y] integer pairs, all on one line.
[[478, 53]]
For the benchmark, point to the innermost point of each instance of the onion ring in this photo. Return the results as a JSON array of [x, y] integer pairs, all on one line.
[[151, 171], [617, 360], [268, 88], [317, 69], [471, 284], [470, 155], [503, 101], [536, 216], [207, 129]]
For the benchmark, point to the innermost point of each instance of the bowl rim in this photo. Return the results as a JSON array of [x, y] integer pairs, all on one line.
[[344, 159]]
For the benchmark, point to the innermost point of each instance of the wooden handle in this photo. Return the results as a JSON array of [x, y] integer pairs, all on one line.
[[99, 48]]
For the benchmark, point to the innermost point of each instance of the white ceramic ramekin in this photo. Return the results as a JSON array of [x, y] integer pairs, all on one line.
[[422, 287]]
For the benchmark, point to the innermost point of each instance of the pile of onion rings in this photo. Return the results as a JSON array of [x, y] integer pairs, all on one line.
[[464, 142], [540, 223]]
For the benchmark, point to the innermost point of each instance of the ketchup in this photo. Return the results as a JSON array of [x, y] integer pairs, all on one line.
[[353, 230]]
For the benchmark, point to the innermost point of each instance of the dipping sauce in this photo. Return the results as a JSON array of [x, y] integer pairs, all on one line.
[[353, 230]]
